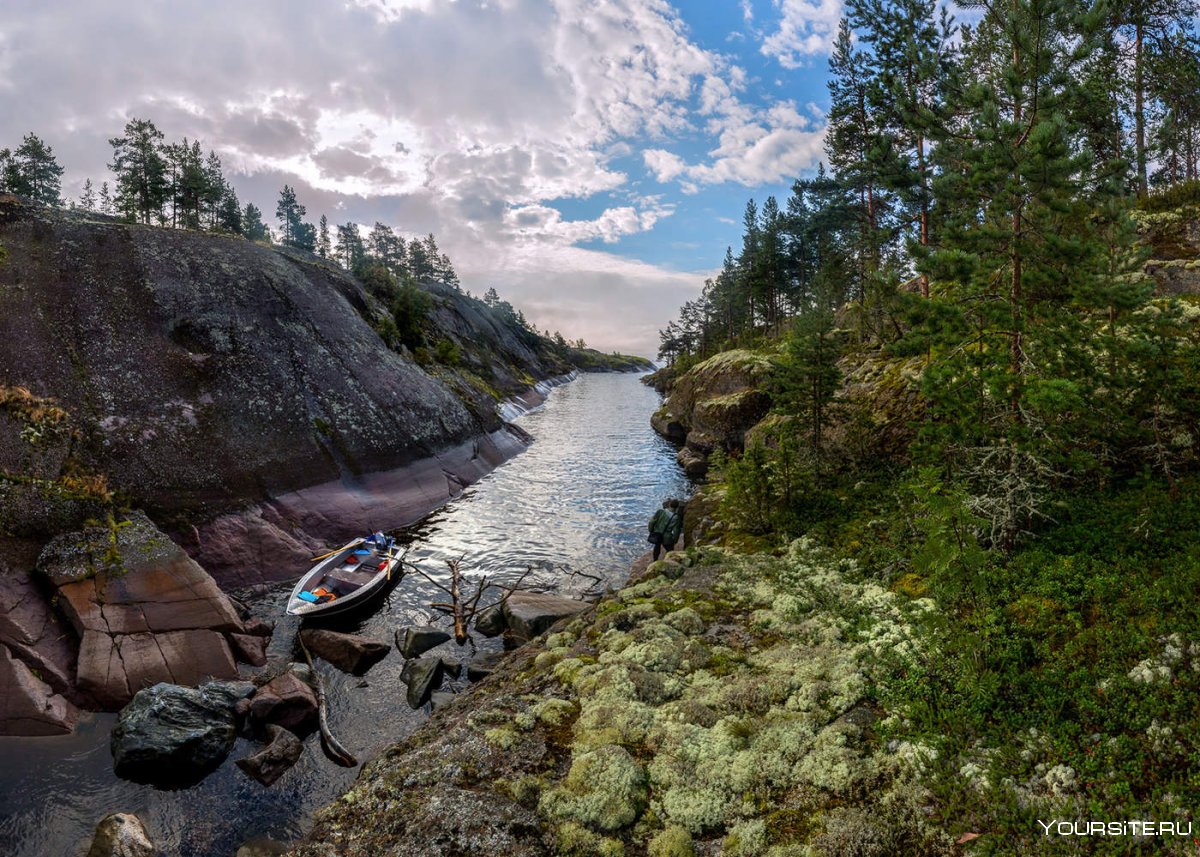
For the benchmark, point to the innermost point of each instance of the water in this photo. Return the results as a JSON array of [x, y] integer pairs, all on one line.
[[576, 501]]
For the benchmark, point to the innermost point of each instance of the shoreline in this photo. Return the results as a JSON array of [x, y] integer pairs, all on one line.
[[273, 539]]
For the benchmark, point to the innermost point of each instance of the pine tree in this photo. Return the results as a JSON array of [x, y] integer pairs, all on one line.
[[290, 214], [1024, 258], [35, 172], [252, 224], [87, 198], [324, 247], [350, 250], [229, 212], [106, 202], [1147, 24], [141, 171]]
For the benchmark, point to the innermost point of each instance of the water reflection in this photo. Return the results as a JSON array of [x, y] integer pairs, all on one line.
[[577, 499]]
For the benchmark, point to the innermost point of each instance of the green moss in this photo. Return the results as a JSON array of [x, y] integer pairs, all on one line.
[[746, 839], [674, 841], [573, 840], [605, 789], [504, 737]]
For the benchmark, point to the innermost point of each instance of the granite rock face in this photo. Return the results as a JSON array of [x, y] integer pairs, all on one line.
[[144, 611]]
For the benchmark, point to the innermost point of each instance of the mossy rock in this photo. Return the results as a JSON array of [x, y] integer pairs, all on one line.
[[605, 790]]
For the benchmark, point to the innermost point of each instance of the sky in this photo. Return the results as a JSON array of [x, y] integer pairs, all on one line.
[[590, 159]]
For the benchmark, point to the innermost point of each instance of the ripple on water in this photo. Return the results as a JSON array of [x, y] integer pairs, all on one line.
[[577, 499]]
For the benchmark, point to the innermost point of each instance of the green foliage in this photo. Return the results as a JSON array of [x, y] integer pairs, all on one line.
[[409, 310], [31, 170], [448, 353]]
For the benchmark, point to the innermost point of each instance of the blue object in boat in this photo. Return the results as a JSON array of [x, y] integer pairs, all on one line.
[[362, 553], [309, 597]]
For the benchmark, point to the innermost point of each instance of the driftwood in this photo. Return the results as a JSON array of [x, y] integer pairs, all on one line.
[[333, 749], [463, 609]]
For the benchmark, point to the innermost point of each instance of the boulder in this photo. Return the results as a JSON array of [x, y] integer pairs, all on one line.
[[31, 629], [172, 735], [490, 621], [416, 640], [440, 699], [250, 648], [121, 835], [287, 700], [261, 847], [348, 652], [29, 706], [451, 666], [270, 763], [423, 676], [482, 667], [530, 613]]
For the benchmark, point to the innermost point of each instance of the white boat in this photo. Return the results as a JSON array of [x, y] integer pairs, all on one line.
[[346, 578]]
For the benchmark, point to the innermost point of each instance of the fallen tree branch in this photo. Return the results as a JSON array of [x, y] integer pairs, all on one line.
[[332, 746]]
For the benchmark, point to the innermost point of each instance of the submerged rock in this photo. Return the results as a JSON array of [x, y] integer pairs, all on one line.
[[172, 735], [350, 653], [440, 699], [121, 835], [423, 676], [274, 760], [530, 613], [416, 640]]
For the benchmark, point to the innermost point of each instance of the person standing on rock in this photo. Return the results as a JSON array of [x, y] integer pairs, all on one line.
[[665, 527]]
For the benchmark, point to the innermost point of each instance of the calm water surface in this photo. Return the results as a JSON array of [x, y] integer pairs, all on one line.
[[575, 501]]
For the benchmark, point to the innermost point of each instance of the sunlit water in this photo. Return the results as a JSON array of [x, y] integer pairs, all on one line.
[[575, 501]]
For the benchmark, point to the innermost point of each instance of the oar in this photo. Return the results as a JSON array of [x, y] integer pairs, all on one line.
[[337, 550]]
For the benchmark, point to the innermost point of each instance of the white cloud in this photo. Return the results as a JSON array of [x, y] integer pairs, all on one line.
[[470, 118], [805, 28]]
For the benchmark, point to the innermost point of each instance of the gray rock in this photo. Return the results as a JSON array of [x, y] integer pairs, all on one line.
[[348, 652], [121, 835], [451, 666], [273, 761], [172, 735], [490, 621], [475, 672], [416, 640], [424, 677], [530, 613], [482, 667], [440, 699]]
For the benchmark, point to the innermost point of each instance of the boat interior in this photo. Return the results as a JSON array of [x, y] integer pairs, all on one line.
[[352, 570]]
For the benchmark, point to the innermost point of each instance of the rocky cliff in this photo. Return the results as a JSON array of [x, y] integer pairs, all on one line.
[[241, 396]]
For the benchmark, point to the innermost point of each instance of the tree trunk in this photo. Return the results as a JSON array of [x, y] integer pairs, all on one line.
[[1139, 108]]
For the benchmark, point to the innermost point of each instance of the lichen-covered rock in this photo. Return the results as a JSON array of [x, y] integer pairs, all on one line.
[[351, 653], [175, 735], [121, 835]]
